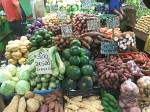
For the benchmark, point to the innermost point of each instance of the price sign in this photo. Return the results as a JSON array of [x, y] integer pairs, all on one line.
[[62, 14], [113, 22], [66, 30], [86, 4], [93, 25], [43, 65], [147, 45], [53, 8], [109, 47]]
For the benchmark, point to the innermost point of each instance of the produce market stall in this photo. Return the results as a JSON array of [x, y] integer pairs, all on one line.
[[75, 58]]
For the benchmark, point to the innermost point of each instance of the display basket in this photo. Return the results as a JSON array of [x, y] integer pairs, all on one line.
[[83, 93]]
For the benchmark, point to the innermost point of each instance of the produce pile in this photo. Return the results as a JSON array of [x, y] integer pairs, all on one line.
[[17, 51], [79, 104], [36, 103], [78, 68], [143, 24], [41, 39]]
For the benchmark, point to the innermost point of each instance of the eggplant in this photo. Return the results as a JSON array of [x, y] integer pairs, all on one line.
[[39, 19]]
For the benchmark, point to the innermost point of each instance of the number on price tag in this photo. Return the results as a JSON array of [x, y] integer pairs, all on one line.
[[93, 25], [53, 8], [43, 65], [113, 22], [66, 30], [62, 14], [86, 4], [109, 47]]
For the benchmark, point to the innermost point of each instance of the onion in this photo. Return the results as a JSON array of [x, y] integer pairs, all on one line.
[[39, 19]]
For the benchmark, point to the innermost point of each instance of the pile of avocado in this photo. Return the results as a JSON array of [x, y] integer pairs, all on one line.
[[41, 39]]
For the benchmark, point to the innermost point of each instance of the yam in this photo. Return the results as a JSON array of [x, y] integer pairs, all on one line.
[[22, 105], [13, 106], [44, 108]]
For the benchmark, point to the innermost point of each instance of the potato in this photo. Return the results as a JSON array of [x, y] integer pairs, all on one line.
[[29, 94], [39, 97], [33, 105]]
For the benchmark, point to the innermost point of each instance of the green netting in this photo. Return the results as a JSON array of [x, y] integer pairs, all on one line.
[[26, 7]]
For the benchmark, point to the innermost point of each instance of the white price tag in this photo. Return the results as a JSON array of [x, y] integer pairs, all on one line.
[[86, 4], [66, 30], [53, 8], [62, 14], [93, 25], [43, 65], [113, 22]]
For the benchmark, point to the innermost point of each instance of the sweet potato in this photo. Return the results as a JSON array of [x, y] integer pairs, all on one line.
[[44, 108], [22, 105], [56, 108], [58, 93], [51, 105]]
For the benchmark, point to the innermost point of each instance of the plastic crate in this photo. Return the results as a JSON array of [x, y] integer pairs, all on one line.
[[83, 93]]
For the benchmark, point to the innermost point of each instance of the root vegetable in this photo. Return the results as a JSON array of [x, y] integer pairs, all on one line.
[[32, 105], [13, 106], [22, 105], [29, 94]]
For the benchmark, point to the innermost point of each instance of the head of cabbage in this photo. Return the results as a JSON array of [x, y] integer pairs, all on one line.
[[24, 74], [5, 75], [7, 88], [12, 69], [22, 87]]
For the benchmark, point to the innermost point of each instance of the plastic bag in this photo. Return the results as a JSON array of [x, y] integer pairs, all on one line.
[[129, 94]]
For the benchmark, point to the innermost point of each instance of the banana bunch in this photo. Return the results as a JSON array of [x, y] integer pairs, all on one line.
[[109, 103]]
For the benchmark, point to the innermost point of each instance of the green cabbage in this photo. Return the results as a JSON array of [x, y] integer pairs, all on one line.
[[5, 75], [15, 79], [24, 74], [12, 69], [7, 88], [22, 87]]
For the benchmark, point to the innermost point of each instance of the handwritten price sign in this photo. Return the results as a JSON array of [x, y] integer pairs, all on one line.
[[66, 30], [43, 65], [86, 4], [62, 14], [113, 22], [53, 8], [93, 25]]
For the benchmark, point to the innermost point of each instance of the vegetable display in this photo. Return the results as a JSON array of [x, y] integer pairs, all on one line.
[[41, 39], [35, 26], [17, 51], [109, 103], [91, 104], [142, 24], [78, 68], [80, 22], [112, 73]]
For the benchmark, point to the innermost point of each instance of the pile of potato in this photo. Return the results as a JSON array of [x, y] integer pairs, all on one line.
[[143, 24], [61, 42], [17, 50], [144, 87], [79, 104], [28, 103], [80, 22], [112, 73]]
